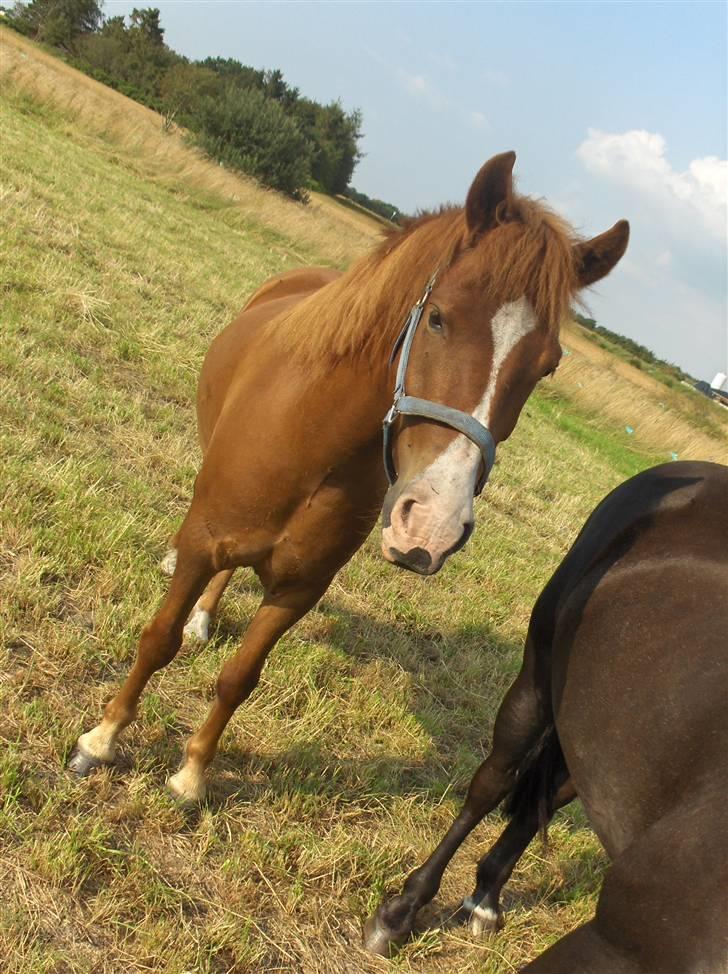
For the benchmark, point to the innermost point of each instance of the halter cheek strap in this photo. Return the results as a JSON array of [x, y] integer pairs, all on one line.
[[437, 412]]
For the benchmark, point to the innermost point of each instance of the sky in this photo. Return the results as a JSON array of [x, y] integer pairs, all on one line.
[[614, 110]]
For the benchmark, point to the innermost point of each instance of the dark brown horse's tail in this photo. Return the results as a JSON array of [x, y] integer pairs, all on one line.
[[542, 772]]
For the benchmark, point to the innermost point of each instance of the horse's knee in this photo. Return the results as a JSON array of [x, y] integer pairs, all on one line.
[[236, 682], [159, 644]]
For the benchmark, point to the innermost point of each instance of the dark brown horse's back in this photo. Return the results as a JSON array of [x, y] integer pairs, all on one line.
[[228, 349]]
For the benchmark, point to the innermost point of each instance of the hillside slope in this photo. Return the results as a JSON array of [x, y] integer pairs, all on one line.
[[337, 233], [350, 759]]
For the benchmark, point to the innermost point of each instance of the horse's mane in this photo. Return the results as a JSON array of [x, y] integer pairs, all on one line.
[[531, 252]]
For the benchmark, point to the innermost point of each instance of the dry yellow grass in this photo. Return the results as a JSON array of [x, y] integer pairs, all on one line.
[[333, 232], [666, 420]]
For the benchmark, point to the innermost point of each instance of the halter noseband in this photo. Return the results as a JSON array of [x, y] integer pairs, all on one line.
[[412, 406]]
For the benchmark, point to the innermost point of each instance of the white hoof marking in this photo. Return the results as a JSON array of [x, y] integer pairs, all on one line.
[[188, 785], [483, 919], [198, 625], [100, 743], [169, 562]]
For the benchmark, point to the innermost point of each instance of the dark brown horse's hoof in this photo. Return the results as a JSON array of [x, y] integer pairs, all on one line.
[[482, 920], [378, 940], [82, 764]]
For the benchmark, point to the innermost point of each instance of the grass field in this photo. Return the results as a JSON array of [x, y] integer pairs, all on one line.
[[118, 268]]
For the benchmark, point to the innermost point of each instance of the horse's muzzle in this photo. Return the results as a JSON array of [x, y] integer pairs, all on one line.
[[418, 535]]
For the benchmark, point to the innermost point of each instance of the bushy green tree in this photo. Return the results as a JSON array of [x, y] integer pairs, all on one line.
[[133, 59], [248, 118], [184, 87], [147, 24], [232, 70], [271, 83], [246, 130], [57, 22], [334, 135]]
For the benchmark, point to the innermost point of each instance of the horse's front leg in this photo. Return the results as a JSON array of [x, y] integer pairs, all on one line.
[[158, 646], [239, 677]]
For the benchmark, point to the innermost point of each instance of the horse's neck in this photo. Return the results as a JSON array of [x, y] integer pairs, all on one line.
[[358, 317]]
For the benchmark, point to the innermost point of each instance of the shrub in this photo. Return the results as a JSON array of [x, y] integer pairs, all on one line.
[[245, 130]]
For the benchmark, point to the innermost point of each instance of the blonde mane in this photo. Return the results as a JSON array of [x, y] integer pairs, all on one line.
[[359, 315]]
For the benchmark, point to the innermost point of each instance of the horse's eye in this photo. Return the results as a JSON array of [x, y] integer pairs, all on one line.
[[435, 320]]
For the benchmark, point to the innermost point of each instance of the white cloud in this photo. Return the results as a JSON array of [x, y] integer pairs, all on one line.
[[476, 119], [442, 59], [421, 87], [374, 55], [418, 86], [637, 159], [415, 83], [497, 78]]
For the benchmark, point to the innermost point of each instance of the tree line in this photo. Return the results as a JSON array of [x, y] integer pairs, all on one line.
[[247, 119], [637, 355]]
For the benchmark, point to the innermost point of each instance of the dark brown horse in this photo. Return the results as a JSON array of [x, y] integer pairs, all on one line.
[[622, 699], [290, 407]]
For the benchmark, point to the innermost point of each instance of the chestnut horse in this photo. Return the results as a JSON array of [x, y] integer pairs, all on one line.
[[622, 699], [290, 407]]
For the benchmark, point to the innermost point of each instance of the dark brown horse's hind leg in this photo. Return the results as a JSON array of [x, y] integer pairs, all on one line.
[[521, 720], [495, 868], [238, 678], [158, 646]]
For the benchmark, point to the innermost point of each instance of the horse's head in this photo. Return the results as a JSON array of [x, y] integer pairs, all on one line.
[[488, 332]]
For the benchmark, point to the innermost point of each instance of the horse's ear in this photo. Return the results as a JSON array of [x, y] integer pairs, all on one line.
[[595, 258], [488, 197]]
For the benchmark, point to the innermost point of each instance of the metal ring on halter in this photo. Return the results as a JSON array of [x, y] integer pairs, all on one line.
[[412, 406]]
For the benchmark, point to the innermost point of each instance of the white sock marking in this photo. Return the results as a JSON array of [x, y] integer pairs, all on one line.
[[169, 562], [100, 742], [198, 625], [482, 918]]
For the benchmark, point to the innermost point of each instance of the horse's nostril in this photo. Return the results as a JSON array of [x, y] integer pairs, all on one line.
[[404, 511]]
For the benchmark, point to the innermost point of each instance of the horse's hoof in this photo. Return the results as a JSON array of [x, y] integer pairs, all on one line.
[[169, 562], [82, 764], [378, 940], [187, 788], [483, 920]]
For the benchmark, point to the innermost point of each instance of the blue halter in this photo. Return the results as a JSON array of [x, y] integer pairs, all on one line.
[[405, 405]]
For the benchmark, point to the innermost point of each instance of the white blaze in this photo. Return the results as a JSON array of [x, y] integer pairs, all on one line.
[[437, 505], [455, 470]]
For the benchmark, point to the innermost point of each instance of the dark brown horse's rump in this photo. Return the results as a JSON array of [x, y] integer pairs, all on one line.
[[621, 699]]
